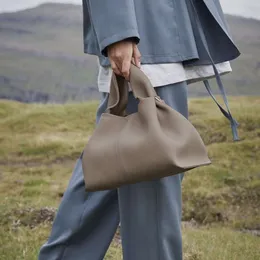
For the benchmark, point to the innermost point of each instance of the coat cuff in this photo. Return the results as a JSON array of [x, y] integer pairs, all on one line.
[[130, 34]]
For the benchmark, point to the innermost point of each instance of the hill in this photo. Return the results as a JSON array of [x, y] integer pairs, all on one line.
[[41, 56], [221, 203]]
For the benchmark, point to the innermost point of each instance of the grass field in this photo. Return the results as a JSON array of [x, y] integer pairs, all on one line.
[[221, 203]]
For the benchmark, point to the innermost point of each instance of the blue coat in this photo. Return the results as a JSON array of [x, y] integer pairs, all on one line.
[[166, 30]]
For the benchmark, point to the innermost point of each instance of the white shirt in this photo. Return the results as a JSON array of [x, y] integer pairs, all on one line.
[[167, 73]]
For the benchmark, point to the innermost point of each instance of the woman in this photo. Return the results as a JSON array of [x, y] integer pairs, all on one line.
[[175, 42]]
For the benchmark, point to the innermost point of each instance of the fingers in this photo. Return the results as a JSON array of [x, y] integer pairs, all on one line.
[[137, 56], [115, 68], [121, 67], [125, 70], [121, 54]]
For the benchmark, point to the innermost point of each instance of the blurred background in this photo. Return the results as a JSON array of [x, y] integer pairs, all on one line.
[[47, 113]]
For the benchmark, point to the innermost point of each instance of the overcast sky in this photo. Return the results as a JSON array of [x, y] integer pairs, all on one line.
[[248, 8]]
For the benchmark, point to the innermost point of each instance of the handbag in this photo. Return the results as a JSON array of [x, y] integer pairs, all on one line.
[[153, 143]]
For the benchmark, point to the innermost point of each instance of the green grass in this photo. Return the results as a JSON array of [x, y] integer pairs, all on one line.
[[219, 244], [199, 244], [39, 145], [44, 133]]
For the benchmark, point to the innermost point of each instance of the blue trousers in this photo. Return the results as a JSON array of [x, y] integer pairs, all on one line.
[[149, 212]]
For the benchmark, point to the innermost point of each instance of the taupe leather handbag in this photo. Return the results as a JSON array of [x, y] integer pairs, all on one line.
[[155, 142]]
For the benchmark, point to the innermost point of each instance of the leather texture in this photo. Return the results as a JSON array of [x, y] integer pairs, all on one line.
[[153, 143]]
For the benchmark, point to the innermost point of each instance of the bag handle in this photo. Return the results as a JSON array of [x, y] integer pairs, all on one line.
[[118, 96]]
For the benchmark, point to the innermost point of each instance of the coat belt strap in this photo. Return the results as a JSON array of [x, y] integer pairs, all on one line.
[[226, 112]]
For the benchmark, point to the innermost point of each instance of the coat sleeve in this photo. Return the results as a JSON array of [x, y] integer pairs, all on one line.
[[113, 21]]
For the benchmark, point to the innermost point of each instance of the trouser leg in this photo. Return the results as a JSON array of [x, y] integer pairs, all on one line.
[[150, 212], [85, 222]]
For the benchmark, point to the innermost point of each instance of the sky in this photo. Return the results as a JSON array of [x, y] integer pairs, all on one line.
[[247, 8]]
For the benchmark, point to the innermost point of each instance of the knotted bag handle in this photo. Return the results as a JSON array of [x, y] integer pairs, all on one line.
[[118, 96]]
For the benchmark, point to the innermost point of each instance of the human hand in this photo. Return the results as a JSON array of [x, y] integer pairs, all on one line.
[[121, 55]]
